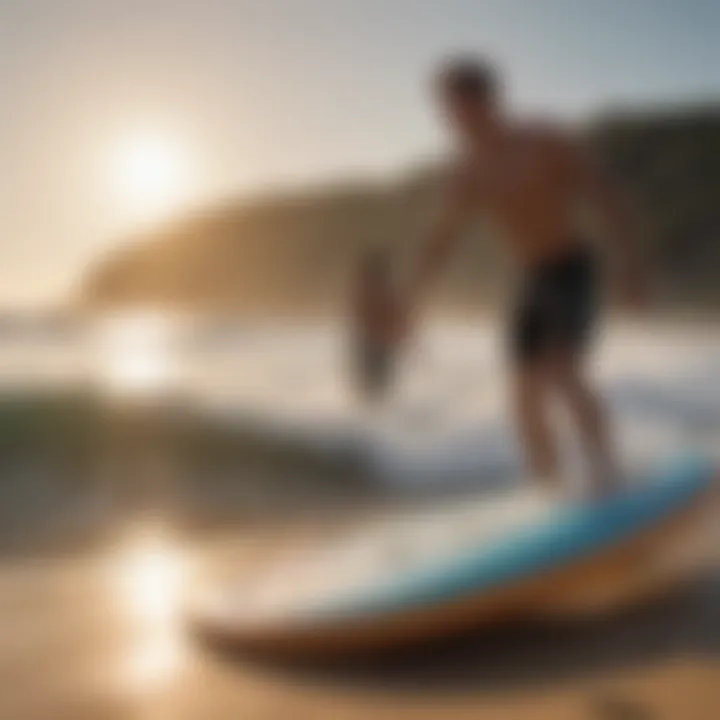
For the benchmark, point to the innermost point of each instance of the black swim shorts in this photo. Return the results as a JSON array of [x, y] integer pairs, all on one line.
[[557, 306]]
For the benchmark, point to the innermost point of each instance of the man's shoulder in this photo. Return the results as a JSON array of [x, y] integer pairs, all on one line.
[[546, 134]]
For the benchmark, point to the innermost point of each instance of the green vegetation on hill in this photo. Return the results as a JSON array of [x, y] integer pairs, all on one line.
[[294, 253], [671, 164]]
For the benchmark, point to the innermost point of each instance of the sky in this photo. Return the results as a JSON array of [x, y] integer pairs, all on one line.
[[115, 112]]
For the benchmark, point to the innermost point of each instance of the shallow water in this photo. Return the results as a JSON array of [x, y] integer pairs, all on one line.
[[136, 456], [199, 415]]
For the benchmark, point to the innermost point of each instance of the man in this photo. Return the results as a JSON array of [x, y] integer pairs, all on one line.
[[532, 181]]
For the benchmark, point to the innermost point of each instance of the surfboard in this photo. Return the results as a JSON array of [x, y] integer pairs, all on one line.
[[427, 574]]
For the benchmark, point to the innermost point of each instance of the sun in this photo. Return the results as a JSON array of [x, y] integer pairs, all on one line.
[[151, 171]]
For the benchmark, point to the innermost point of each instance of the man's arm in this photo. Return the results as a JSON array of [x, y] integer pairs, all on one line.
[[455, 215], [436, 251]]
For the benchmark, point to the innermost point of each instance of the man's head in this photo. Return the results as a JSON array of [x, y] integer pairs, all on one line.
[[469, 92]]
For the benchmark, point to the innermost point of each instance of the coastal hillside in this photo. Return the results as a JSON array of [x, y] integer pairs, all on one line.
[[294, 252]]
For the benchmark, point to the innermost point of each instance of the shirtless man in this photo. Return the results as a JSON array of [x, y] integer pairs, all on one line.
[[531, 180]]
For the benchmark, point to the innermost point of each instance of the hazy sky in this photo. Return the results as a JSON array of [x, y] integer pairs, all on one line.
[[255, 92]]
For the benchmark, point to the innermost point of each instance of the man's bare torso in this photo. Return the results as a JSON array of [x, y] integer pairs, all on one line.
[[526, 187]]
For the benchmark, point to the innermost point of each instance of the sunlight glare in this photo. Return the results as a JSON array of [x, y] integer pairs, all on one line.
[[152, 175], [153, 572], [136, 357], [152, 577]]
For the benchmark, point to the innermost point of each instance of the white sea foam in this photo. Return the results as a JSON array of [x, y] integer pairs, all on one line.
[[448, 421]]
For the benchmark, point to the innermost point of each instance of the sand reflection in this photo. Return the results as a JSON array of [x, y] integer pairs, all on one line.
[[151, 574]]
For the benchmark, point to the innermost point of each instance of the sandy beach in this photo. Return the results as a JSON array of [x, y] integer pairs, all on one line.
[[102, 636]]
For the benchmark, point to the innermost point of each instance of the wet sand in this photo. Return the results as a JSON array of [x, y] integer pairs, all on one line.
[[100, 637]]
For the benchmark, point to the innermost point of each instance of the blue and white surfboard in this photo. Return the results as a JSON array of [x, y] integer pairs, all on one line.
[[402, 581]]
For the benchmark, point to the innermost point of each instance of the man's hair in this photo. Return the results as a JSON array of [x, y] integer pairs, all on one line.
[[469, 77]]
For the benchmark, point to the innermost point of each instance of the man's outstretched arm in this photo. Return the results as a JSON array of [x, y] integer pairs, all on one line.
[[441, 243]]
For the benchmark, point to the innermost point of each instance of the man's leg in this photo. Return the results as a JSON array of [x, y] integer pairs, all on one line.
[[531, 398], [588, 417]]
